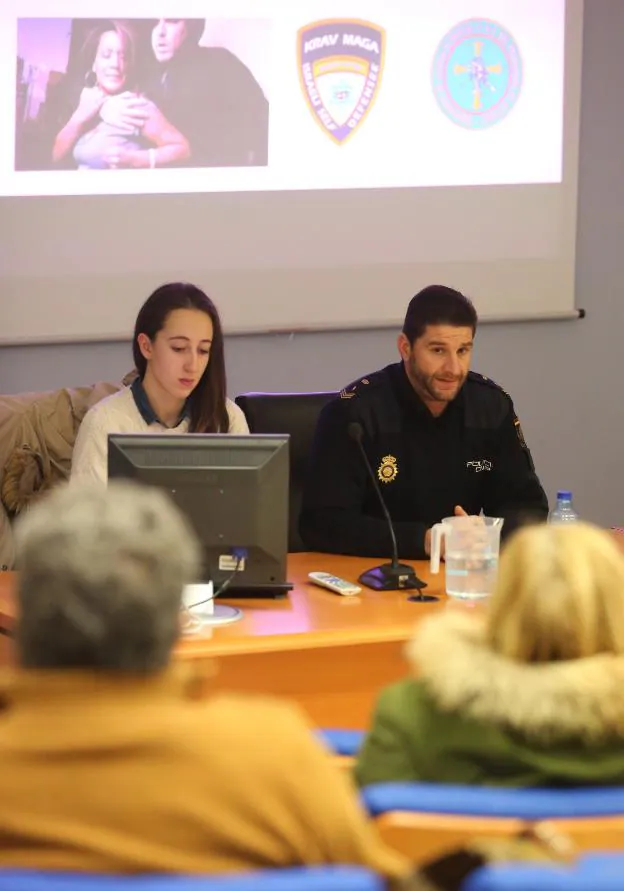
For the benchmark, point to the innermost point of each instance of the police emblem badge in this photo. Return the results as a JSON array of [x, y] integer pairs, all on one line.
[[340, 66], [477, 73], [388, 469]]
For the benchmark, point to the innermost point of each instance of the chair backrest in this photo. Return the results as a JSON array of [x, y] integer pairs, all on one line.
[[425, 836], [346, 743], [487, 801], [295, 414], [594, 872], [318, 878], [424, 819]]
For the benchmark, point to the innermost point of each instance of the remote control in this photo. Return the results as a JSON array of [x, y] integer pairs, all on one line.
[[333, 583]]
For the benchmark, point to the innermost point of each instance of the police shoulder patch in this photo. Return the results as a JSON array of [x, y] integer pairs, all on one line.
[[356, 388], [487, 382]]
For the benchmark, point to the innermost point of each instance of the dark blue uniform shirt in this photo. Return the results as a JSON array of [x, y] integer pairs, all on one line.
[[473, 454]]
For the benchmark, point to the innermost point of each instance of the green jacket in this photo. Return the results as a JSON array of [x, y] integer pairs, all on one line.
[[474, 717]]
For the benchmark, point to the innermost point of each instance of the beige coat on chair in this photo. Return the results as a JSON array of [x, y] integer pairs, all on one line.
[[37, 435]]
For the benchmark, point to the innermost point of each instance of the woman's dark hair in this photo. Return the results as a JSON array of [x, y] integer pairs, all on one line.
[[207, 401], [91, 43], [438, 305]]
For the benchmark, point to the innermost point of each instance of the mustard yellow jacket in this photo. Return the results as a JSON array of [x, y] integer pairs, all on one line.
[[133, 774]]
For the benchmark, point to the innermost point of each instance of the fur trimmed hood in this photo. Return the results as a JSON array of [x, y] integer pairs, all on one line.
[[579, 699]]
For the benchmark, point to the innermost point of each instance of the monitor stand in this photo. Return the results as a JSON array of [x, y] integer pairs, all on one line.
[[222, 614], [251, 592], [201, 610], [195, 623]]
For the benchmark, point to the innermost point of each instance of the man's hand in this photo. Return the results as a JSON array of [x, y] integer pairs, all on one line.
[[427, 544], [126, 111], [476, 518], [476, 537], [458, 512]]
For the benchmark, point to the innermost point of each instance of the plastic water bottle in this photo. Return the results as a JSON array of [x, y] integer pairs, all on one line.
[[563, 512]]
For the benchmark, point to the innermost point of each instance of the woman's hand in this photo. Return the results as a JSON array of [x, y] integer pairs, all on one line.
[[115, 158], [89, 104]]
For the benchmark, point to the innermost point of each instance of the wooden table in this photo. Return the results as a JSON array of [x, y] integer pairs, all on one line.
[[331, 654]]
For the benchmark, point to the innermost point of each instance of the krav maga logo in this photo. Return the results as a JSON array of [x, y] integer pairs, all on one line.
[[340, 66]]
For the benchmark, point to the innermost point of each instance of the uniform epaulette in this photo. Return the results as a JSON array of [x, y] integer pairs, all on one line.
[[361, 385], [487, 382]]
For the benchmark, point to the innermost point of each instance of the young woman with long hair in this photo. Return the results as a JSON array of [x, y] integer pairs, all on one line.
[[180, 386]]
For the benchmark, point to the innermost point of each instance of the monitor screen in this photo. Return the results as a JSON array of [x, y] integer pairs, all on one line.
[[234, 492]]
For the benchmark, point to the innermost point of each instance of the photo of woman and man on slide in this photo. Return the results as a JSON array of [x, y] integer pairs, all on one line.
[[134, 93]]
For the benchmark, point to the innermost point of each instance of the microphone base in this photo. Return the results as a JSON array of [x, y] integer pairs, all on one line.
[[393, 577]]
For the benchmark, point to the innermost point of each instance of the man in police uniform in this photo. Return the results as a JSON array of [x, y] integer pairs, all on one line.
[[441, 439]]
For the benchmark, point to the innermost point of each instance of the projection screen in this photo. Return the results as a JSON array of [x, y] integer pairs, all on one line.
[[310, 164]]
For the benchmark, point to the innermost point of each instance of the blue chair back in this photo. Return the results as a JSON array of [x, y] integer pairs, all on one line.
[[322, 878], [488, 801], [342, 742], [593, 872]]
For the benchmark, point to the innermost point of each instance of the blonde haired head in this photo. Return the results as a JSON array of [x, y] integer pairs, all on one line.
[[560, 595]]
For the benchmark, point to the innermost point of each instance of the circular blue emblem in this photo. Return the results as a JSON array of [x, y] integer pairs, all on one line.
[[477, 73]]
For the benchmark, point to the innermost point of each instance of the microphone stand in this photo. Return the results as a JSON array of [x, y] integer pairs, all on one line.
[[393, 576]]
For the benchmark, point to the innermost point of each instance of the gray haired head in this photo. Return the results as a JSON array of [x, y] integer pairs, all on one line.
[[101, 576]]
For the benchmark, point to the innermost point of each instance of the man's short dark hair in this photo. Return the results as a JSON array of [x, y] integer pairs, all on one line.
[[438, 305]]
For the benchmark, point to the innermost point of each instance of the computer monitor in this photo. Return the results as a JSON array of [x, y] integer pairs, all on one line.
[[233, 490]]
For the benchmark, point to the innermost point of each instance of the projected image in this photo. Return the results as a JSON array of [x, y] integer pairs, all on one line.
[[98, 94], [264, 96], [340, 66], [477, 74]]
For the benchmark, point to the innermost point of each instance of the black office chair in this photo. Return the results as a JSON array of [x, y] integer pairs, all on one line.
[[295, 414]]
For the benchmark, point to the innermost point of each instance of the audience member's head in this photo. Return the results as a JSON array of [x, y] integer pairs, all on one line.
[[560, 595], [101, 578]]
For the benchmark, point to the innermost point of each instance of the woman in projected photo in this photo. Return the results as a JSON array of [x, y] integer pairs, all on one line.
[[113, 125]]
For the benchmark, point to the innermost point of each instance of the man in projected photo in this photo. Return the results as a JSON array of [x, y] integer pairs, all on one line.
[[441, 440], [111, 124], [210, 96]]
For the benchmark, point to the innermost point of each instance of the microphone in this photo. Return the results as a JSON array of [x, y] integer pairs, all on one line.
[[393, 576]]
